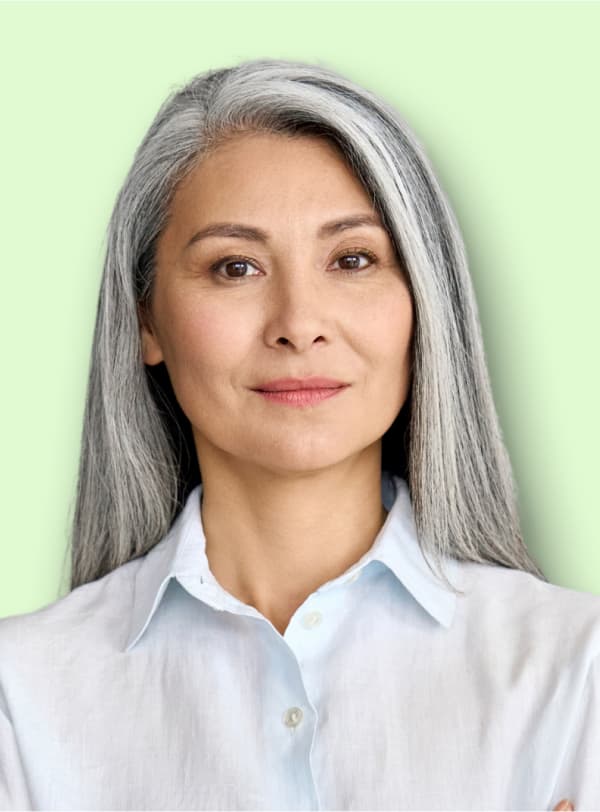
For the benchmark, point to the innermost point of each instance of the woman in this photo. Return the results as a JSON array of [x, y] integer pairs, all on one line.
[[298, 579]]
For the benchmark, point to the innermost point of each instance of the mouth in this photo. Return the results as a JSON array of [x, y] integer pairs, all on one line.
[[301, 397], [308, 382]]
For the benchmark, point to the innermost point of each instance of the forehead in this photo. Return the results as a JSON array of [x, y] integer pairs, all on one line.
[[266, 171]]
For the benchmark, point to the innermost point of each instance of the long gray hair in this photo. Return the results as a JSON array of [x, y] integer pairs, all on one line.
[[137, 462]]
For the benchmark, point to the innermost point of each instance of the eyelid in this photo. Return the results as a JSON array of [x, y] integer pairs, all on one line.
[[355, 249]]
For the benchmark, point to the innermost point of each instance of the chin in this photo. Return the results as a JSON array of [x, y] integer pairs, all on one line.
[[290, 459]]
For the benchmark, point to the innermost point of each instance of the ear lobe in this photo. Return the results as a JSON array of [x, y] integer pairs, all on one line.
[[151, 351]]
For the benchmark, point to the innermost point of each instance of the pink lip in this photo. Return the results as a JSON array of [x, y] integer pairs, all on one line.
[[286, 384], [301, 397]]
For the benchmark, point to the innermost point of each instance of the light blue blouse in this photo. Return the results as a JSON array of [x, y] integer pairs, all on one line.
[[154, 688]]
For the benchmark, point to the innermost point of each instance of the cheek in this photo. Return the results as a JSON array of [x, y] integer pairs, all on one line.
[[205, 337], [387, 330]]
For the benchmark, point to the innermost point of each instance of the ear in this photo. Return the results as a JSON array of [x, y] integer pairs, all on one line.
[[151, 351]]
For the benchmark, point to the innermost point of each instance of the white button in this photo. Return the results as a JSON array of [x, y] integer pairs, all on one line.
[[311, 619], [292, 717], [353, 578]]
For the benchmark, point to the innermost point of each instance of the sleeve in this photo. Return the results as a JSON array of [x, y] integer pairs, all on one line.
[[578, 778], [14, 793]]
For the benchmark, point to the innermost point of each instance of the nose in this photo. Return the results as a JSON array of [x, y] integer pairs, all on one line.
[[297, 311]]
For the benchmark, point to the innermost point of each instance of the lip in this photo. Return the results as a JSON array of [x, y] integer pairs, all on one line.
[[291, 384], [301, 397]]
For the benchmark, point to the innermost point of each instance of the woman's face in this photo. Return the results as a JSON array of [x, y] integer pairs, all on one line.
[[231, 312]]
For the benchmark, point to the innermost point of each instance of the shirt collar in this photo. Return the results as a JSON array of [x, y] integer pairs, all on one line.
[[181, 554]]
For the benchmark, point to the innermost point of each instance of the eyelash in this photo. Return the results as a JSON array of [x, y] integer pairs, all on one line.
[[349, 252]]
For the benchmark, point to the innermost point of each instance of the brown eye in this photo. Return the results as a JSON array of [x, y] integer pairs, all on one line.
[[351, 260], [234, 268]]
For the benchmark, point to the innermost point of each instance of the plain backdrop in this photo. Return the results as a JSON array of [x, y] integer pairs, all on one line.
[[503, 96]]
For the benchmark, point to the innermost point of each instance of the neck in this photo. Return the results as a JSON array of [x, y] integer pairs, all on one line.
[[273, 539]]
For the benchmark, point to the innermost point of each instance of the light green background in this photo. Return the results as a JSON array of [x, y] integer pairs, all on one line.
[[502, 95]]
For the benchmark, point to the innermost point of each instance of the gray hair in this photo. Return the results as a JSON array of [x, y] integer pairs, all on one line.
[[137, 462]]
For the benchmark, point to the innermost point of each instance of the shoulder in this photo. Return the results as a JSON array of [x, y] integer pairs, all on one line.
[[517, 610], [95, 612]]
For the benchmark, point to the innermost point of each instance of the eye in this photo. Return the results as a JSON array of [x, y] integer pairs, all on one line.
[[237, 266], [354, 256]]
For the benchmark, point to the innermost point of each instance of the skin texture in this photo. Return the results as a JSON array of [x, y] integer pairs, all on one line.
[[291, 497]]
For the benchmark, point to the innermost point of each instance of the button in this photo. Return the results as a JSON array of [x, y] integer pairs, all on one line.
[[292, 717], [353, 578], [311, 619]]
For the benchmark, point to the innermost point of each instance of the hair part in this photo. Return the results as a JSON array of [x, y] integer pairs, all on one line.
[[137, 463]]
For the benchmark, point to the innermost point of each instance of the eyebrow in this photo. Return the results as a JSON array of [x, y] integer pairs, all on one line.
[[258, 235]]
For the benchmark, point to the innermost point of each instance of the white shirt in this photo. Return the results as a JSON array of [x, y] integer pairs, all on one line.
[[154, 688]]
